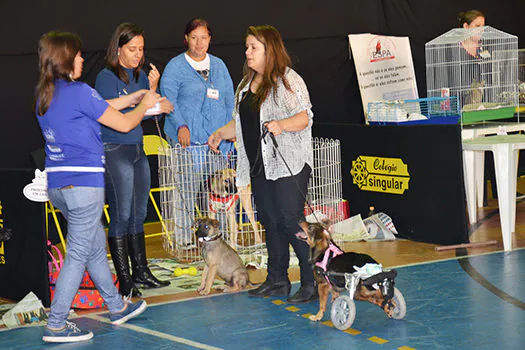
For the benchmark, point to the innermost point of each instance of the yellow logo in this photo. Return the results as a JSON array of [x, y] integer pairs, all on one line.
[[378, 174]]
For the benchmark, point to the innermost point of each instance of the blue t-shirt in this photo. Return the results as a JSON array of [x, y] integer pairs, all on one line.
[[74, 150], [109, 86]]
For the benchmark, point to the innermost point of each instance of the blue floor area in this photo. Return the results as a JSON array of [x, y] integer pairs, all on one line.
[[469, 303]]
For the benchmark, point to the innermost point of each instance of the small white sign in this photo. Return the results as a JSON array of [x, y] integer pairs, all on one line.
[[37, 190], [153, 110]]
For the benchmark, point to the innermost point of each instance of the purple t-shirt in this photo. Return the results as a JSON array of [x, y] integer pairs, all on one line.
[[74, 150]]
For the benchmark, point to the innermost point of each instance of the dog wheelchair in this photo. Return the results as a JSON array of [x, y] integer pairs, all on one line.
[[343, 310]]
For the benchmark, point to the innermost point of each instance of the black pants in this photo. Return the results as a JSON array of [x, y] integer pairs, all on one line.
[[280, 205]]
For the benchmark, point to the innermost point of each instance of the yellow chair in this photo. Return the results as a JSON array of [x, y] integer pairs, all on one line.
[[50, 209], [154, 146]]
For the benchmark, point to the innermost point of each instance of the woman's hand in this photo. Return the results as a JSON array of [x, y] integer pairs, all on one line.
[[153, 77], [166, 106], [275, 127], [150, 99], [214, 141], [184, 136], [136, 97]]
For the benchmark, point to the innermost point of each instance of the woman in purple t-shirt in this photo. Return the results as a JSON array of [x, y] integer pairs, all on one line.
[[69, 114]]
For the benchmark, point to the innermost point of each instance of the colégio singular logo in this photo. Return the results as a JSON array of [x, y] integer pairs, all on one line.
[[378, 174]]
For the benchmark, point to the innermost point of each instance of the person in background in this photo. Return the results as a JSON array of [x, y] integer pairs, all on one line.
[[128, 178], [69, 114], [471, 19], [273, 97], [200, 88]]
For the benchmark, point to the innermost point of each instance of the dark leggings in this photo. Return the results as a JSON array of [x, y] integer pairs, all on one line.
[[280, 205]]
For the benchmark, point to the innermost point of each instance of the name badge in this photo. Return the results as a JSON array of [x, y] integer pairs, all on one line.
[[213, 93]]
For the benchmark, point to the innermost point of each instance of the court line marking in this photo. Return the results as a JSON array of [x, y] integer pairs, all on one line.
[[156, 334], [482, 281], [457, 257]]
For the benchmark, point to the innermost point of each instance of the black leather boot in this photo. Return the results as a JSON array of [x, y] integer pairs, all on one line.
[[305, 294], [118, 247], [139, 263], [269, 288]]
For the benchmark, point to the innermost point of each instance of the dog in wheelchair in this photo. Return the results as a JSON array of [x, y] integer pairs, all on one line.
[[336, 271]]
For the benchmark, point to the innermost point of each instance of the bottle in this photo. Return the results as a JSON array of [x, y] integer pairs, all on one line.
[[371, 211]]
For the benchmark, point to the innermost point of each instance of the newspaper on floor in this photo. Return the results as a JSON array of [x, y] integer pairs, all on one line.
[[28, 311]]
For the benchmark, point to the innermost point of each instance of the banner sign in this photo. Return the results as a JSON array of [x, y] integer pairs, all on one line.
[[384, 67]]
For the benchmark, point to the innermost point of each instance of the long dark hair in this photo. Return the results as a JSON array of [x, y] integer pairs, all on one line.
[[56, 57], [277, 61], [122, 35], [468, 17]]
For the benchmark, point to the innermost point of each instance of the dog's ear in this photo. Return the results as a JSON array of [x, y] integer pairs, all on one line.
[[196, 224], [214, 223]]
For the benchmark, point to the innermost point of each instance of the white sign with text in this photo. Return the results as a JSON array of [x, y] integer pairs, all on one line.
[[384, 67]]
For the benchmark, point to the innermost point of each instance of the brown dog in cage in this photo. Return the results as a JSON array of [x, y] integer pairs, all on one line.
[[224, 196], [221, 259]]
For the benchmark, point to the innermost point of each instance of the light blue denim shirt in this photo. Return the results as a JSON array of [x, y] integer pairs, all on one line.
[[187, 91]]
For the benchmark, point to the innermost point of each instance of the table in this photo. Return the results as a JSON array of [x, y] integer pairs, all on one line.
[[505, 149], [473, 130]]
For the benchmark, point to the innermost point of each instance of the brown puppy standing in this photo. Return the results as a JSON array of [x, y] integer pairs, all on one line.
[[220, 258], [224, 196]]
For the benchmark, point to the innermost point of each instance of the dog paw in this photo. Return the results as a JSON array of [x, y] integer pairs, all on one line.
[[204, 292], [316, 318]]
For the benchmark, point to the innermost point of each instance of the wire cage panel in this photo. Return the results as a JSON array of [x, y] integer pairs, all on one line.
[[430, 110], [191, 178], [480, 67], [521, 77]]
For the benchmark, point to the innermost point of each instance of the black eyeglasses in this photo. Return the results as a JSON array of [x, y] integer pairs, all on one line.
[[204, 73]]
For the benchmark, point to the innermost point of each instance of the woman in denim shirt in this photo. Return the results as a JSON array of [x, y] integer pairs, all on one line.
[[201, 90]]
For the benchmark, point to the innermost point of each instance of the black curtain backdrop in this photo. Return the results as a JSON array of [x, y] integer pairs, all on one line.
[[432, 210], [315, 34], [24, 267]]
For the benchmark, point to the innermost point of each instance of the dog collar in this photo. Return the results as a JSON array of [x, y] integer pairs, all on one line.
[[209, 239], [222, 203], [225, 199]]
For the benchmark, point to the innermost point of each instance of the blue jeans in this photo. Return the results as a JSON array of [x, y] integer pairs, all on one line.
[[128, 182], [86, 249]]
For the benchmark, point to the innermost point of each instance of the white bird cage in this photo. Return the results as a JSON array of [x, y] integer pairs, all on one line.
[[185, 194], [480, 67], [521, 76]]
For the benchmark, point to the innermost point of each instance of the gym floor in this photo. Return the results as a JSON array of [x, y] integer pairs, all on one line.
[[456, 299]]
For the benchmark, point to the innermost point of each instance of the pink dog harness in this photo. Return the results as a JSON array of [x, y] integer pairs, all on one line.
[[218, 203], [329, 254]]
